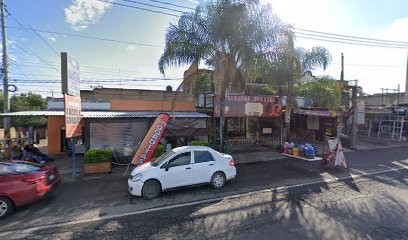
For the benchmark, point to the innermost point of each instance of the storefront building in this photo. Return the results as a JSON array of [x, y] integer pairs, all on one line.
[[314, 124], [251, 119], [119, 119]]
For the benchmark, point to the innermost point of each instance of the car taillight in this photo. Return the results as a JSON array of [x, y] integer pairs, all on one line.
[[232, 163], [34, 180]]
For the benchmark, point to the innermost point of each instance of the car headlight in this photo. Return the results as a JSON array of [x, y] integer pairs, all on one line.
[[136, 177]]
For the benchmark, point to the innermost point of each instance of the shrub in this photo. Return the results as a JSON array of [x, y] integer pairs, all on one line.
[[158, 152], [199, 143], [98, 155]]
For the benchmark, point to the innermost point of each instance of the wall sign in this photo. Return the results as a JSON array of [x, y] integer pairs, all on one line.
[[249, 106]]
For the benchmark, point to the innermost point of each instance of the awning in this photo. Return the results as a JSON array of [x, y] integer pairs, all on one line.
[[105, 114], [321, 113]]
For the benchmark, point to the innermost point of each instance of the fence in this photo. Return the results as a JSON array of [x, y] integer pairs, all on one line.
[[384, 129]]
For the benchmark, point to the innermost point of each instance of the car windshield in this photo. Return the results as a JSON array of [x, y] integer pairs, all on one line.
[[11, 168], [162, 158]]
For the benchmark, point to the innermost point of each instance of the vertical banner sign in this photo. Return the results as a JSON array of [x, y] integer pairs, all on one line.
[[70, 75], [72, 116], [151, 140]]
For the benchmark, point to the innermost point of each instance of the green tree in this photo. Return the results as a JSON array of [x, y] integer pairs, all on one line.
[[228, 35], [28, 102], [289, 65], [325, 92]]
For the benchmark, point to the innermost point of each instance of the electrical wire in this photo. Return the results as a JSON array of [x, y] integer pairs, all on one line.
[[317, 38], [88, 37], [42, 39], [139, 8], [150, 5], [172, 4], [33, 53], [354, 37]]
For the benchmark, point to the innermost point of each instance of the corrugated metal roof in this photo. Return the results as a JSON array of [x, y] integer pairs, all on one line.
[[106, 114], [320, 113], [33, 113]]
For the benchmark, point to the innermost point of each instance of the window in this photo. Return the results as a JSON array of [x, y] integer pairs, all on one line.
[[181, 160], [202, 156]]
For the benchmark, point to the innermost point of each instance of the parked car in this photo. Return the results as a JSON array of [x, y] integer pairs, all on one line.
[[180, 167], [24, 182]]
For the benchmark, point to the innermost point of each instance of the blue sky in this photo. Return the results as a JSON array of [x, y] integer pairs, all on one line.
[[374, 67]]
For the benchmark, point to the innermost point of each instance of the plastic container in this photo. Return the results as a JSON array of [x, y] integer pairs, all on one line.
[[309, 152], [286, 148], [290, 150], [302, 150], [296, 152]]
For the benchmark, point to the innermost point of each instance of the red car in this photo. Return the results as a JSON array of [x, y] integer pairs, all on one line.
[[24, 182]]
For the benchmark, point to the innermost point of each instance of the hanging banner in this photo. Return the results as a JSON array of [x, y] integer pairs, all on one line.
[[72, 116], [151, 140]]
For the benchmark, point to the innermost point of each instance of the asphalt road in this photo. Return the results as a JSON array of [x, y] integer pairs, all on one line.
[[373, 206]]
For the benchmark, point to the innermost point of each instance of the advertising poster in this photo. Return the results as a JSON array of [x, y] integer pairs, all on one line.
[[151, 140]]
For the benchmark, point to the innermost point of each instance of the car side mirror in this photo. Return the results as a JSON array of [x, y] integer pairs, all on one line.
[[166, 166]]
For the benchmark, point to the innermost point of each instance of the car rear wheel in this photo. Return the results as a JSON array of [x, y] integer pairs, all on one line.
[[218, 180], [151, 189], [6, 207]]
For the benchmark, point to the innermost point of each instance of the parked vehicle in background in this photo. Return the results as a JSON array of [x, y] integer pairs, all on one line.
[[180, 167], [24, 182]]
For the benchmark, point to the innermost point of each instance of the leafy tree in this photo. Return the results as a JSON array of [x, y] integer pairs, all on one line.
[[228, 35], [325, 92], [28, 102]]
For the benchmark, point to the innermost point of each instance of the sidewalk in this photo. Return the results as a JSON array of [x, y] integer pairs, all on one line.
[[256, 153]]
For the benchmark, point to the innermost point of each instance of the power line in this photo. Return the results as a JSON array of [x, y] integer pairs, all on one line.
[[139, 8], [33, 53], [349, 36], [172, 4], [325, 39], [150, 5], [89, 37], [42, 39]]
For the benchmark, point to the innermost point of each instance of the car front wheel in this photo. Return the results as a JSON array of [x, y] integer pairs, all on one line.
[[151, 189], [218, 180], [6, 207]]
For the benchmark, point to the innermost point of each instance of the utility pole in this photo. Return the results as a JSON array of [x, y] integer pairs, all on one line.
[[6, 107], [406, 77], [354, 123], [342, 68]]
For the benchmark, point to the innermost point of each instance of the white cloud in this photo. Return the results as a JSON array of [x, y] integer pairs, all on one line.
[[131, 47], [83, 13], [52, 39]]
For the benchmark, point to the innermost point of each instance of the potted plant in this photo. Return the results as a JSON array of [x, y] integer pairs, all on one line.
[[98, 161]]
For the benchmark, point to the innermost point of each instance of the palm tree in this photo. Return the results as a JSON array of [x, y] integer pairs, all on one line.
[[289, 65], [227, 35]]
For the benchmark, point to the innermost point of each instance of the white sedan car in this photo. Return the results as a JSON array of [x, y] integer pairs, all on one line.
[[183, 166]]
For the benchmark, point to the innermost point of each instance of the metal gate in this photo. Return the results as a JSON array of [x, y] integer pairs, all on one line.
[[384, 129]]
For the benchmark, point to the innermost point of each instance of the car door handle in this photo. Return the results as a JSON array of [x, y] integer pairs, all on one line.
[[188, 167], [211, 164]]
